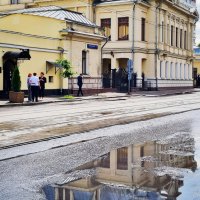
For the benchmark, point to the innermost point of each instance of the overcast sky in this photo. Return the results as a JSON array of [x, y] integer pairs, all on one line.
[[198, 24]]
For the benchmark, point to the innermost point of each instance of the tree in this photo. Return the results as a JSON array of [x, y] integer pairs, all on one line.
[[16, 80], [67, 69], [198, 45]]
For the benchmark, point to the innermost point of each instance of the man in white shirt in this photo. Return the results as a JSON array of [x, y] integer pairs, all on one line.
[[34, 81]]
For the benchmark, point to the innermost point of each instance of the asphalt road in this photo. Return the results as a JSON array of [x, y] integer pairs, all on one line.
[[28, 123], [26, 169]]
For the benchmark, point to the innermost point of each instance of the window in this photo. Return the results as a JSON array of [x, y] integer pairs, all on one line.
[[166, 70], [180, 70], [185, 39], [142, 155], [122, 158], [181, 33], [84, 62], [172, 35], [143, 29], [176, 37], [171, 70], [185, 71], [188, 71], [50, 79], [14, 2], [123, 28], [168, 34], [176, 71], [106, 25], [67, 194], [105, 161], [60, 193], [161, 70], [162, 33]]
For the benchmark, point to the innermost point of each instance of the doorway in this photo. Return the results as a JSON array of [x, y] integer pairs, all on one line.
[[8, 68]]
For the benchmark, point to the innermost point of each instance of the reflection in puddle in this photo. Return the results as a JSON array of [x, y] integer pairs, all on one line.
[[152, 170]]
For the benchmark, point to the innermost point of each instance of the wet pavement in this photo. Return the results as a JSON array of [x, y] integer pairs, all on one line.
[[153, 159]]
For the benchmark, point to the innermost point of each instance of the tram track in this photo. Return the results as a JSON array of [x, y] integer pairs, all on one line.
[[102, 121]]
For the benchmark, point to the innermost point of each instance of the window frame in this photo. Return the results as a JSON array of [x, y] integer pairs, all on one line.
[[106, 23], [122, 158], [84, 62], [12, 2], [123, 23], [143, 27]]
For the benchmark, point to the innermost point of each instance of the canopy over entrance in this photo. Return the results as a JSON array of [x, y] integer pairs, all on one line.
[[50, 64], [23, 55]]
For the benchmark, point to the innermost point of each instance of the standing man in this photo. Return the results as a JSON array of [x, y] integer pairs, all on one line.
[[80, 84], [42, 80], [34, 80]]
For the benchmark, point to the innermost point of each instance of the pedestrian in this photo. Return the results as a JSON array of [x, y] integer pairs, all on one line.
[[42, 80], [34, 87], [80, 84], [29, 87]]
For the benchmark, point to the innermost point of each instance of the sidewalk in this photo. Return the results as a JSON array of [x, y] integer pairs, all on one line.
[[160, 93]]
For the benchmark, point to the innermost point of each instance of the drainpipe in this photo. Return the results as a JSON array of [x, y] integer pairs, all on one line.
[[133, 34], [107, 39], [156, 44]]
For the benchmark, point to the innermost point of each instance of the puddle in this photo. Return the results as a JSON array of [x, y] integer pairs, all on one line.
[[154, 170]]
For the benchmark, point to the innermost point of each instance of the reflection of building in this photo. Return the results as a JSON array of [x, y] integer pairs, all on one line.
[[146, 170], [196, 67], [62, 34]]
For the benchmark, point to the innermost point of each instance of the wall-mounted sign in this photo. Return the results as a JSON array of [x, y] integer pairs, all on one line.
[[92, 46]]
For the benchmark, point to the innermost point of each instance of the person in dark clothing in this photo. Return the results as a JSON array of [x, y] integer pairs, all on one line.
[[80, 84], [42, 80]]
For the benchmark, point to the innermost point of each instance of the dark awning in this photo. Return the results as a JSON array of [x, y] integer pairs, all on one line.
[[23, 55], [50, 64]]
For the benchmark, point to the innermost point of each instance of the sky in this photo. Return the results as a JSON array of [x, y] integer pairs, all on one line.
[[198, 24]]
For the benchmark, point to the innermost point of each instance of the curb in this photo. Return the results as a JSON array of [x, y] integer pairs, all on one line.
[[58, 101]]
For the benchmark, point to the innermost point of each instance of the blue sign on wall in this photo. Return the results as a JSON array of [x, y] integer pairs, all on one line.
[[92, 46]]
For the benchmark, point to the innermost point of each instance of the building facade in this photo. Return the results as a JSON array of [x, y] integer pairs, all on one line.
[[62, 34], [196, 67], [157, 36]]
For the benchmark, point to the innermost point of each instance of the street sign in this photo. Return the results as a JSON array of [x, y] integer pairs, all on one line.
[[130, 70]]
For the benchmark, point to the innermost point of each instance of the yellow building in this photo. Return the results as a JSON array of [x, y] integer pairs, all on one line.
[[157, 36], [49, 33], [196, 67]]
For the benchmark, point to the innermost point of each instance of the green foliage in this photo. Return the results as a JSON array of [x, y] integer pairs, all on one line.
[[69, 97], [16, 80], [198, 45], [67, 69]]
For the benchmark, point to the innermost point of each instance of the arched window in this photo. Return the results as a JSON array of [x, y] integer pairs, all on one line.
[[166, 69], [171, 70]]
